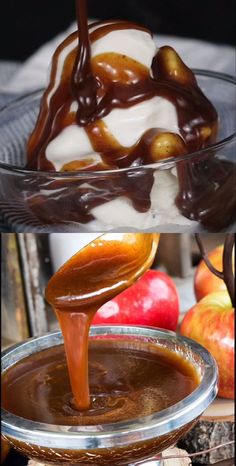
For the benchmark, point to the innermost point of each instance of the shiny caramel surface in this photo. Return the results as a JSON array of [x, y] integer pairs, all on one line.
[[128, 380], [102, 269]]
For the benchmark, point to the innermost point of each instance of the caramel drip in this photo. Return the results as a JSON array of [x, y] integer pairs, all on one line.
[[91, 277], [75, 329]]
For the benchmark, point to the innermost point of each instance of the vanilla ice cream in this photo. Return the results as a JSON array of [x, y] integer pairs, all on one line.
[[117, 101]]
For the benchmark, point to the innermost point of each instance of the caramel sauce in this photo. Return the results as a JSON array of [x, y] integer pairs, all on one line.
[[127, 380], [108, 81], [94, 275]]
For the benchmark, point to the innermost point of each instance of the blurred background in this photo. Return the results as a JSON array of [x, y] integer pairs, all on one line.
[[28, 24], [29, 260]]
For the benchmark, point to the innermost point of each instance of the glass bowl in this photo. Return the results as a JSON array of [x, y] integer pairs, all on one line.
[[109, 200], [121, 443]]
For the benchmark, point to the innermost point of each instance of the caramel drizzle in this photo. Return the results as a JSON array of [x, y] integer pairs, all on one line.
[[86, 80], [97, 273], [83, 82], [203, 187]]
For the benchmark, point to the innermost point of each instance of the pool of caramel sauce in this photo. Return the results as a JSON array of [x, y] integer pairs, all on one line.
[[128, 379]]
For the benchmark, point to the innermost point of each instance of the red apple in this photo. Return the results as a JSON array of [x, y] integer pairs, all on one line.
[[205, 281], [151, 301], [211, 323]]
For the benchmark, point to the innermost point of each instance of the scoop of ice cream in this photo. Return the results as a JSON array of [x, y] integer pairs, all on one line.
[[115, 101], [148, 105], [75, 142], [163, 210]]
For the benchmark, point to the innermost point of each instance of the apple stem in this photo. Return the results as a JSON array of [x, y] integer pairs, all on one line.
[[228, 267], [227, 274], [205, 258]]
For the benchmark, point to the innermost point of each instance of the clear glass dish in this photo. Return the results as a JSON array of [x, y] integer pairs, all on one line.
[[122, 443], [98, 200]]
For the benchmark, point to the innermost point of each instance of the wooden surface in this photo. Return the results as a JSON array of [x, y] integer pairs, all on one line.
[[216, 426], [14, 309], [31, 270], [221, 409]]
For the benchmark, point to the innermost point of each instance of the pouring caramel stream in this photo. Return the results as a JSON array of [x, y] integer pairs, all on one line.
[[97, 273]]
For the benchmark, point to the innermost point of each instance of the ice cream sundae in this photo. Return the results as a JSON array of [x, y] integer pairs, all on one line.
[[115, 101]]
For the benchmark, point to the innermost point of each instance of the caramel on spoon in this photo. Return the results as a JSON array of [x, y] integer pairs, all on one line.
[[94, 275]]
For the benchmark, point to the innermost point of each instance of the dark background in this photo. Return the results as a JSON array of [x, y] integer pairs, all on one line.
[[26, 24], [13, 459]]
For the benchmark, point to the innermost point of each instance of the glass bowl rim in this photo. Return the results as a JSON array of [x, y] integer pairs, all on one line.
[[124, 432], [162, 164]]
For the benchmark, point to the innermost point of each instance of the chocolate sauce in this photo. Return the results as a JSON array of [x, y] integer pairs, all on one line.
[[108, 81], [83, 82], [208, 192], [91, 277], [101, 84]]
